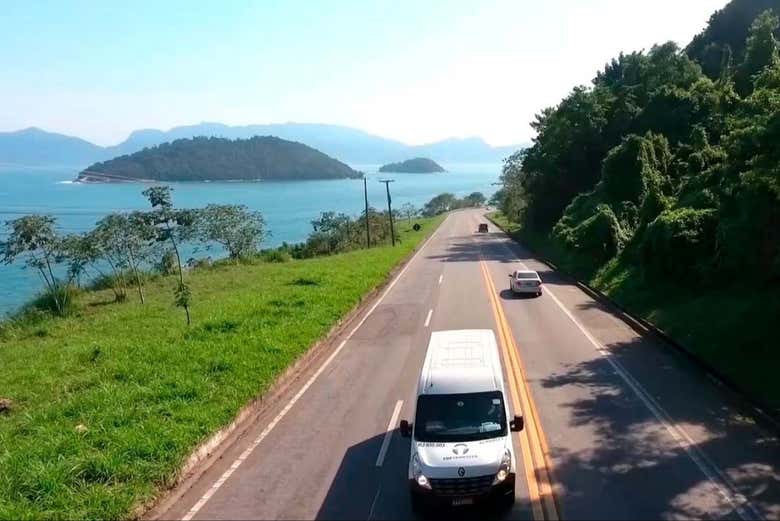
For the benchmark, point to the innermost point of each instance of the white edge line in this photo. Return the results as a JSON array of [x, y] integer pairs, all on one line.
[[441, 278], [389, 433], [244, 455], [720, 481], [428, 318], [710, 471]]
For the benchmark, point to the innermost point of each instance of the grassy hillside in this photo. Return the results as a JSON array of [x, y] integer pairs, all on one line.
[[731, 328], [107, 404]]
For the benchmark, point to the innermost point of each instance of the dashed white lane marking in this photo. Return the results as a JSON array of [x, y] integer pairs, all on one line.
[[441, 278], [389, 433], [248, 451], [428, 318], [722, 483]]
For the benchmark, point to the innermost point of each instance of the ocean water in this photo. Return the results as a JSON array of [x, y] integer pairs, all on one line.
[[287, 206]]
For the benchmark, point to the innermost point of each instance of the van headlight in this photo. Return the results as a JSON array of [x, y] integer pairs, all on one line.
[[419, 477], [504, 468]]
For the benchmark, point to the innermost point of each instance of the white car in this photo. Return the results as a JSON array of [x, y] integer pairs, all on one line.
[[525, 281]]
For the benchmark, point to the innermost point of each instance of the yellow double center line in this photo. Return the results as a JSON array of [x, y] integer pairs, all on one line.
[[533, 443]]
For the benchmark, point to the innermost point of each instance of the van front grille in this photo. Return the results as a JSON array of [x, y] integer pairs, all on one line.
[[462, 486]]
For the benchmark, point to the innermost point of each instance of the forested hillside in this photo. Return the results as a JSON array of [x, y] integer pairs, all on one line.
[[218, 159], [418, 165], [664, 175], [722, 43]]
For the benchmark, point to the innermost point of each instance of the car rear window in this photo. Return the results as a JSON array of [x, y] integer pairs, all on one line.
[[527, 275]]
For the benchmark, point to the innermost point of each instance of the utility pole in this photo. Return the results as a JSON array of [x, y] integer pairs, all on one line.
[[389, 207], [365, 196]]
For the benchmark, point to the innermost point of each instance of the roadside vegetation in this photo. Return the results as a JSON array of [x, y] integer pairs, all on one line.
[[660, 185], [446, 202], [101, 403]]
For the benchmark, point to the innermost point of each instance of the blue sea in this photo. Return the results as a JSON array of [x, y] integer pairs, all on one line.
[[288, 206]]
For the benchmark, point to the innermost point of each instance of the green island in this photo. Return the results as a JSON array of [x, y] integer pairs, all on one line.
[[105, 396], [219, 159], [660, 186], [417, 165]]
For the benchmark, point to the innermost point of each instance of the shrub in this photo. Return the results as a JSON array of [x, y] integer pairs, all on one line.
[[59, 300], [634, 167], [600, 236], [652, 206], [234, 227], [201, 263], [167, 264], [277, 255], [681, 243]]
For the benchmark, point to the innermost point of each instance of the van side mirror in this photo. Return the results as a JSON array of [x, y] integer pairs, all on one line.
[[517, 424], [406, 429]]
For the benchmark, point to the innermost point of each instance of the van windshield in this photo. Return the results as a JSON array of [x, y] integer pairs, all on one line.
[[460, 417]]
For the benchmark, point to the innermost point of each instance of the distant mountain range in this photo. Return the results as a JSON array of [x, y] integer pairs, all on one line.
[[36, 147]]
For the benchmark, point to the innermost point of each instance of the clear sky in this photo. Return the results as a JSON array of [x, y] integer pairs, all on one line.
[[417, 71]]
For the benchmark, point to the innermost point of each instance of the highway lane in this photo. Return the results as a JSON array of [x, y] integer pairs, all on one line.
[[630, 422], [630, 430]]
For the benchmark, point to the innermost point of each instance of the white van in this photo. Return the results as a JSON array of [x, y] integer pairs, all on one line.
[[461, 450]]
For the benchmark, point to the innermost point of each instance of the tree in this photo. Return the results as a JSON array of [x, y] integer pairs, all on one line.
[[565, 158], [123, 241], [331, 233], [172, 226], [236, 228], [475, 199], [409, 211], [440, 204], [497, 199], [78, 251], [760, 51], [34, 238], [725, 35]]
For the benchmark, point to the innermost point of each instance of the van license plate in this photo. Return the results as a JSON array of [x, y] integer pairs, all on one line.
[[461, 501]]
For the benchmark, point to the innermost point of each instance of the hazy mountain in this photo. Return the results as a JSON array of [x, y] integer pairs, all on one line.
[[219, 159], [466, 150], [344, 143], [35, 147]]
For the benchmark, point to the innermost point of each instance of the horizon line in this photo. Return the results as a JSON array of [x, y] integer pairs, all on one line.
[[427, 143]]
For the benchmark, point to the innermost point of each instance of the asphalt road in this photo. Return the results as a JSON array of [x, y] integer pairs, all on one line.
[[621, 427]]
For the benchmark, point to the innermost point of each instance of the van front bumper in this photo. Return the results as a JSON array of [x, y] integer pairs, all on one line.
[[431, 498]]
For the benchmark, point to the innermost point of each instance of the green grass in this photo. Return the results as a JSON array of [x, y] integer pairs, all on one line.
[[732, 329], [108, 403]]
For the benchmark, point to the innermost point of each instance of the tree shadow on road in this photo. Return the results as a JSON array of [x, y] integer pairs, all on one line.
[[470, 249], [634, 465]]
